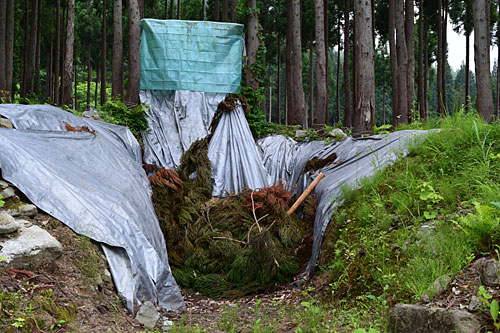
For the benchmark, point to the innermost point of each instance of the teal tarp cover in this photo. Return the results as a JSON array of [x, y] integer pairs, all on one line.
[[191, 55]]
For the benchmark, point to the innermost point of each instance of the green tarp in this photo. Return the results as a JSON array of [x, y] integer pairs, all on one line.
[[191, 55]]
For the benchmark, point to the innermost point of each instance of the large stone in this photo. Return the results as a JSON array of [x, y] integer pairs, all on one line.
[[7, 193], [8, 224], [5, 123], [407, 318], [28, 210], [30, 249], [147, 315], [490, 273]]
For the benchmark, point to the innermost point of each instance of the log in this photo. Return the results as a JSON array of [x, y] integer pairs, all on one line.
[[304, 195]]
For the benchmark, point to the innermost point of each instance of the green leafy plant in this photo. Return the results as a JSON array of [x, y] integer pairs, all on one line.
[[429, 195], [384, 129], [481, 224], [491, 305], [1, 201], [116, 112], [19, 322], [58, 324]]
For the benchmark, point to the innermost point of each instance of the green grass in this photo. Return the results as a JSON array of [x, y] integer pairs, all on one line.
[[373, 245]]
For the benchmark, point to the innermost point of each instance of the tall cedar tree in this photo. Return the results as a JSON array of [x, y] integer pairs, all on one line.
[[410, 46], [365, 68], [296, 103], [402, 54], [481, 10], [252, 42], [3, 19], [103, 54], [321, 74], [117, 60], [55, 86], [9, 47], [134, 64], [32, 48], [347, 74], [420, 86], [68, 58]]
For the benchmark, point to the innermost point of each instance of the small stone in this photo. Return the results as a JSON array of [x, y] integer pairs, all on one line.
[[464, 212], [3, 184], [425, 299], [425, 231], [490, 273], [300, 133], [5, 123], [338, 133], [147, 315], [8, 224], [396, 219], [474, 303], [7, 193], [449, 217], [297, 284], [25, 223], [167, 325], [28, 210], [438, 287]]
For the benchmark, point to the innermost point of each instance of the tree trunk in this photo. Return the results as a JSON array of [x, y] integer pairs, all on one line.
[[9, 48], [347, 77], [216, 10], [3, 19], [296, 105], [224, 11], [288, 53], [30, 70], [134, 79], [166, 9], [203, 9], [426, 65], [279, 78], [497, 114], [252, 42], [310, 115], [338, 73], [325, 29], [440, 60], [444, 54], [383, 107], [75, 100], [365, 71], [117, 60], [394, 62], [421, 60], [481, 9], [55, 87], [233, 11], [68, 58], [171, 9], [25, 49], [96, 86], [141, 8], [410, 46], [89, 76], [103, 50], [402, 55], [467, 60], [178, 10], [321, 73], [38, 44], [48, 80]]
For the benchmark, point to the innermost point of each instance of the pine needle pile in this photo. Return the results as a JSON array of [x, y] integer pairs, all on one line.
[[231, 246]]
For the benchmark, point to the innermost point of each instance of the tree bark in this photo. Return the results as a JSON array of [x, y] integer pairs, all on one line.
[[421, 60], [25, 49], [117, 60], [440, 60], [497, 113], [444, 54], [288, 53], [178, 10], [338, 73], [3, 19], [310, 115], [134, 79], [252, 42], [402, 55], [216, 10], [68, 58], [365, 71], [30, 70], [89, 76], [96, 86], [55, 86], [325, 29], [203, 9], [347, 77], [279, 78], [467, 60], [75, 100], [38, 45], [394, 62], [426, 65], [296, 105], [103, 50], [48, 80], [233, 11], [9, 47], [224, 10], [321, 73], [171, 9], [410, 46], [481, 9]]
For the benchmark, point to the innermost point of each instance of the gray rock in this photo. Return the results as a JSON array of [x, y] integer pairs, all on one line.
[[438, 287], [474, 303], [407, 318], [449, 217], [300, 133], [167, 325], [490, 273], [298, 283], [8, 224], [425, 298], [3, 184], [7, 193], [28, 210], [5, 123], [147, 315], [425, 232], [464, 212], [337, 132], [30, 249]]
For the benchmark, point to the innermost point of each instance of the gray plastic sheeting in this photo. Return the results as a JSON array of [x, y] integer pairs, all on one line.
[[178, 118], [356, 159], [50, 118], [94, 185]]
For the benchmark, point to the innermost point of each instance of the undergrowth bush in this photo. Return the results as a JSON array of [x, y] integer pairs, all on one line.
[[116, 112]]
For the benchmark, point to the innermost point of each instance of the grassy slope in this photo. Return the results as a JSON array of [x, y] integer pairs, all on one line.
[[373, 253]]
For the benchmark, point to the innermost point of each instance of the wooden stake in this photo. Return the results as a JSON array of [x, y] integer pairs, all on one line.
[[304, 195]]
